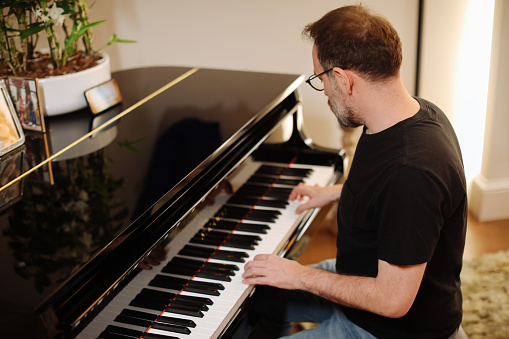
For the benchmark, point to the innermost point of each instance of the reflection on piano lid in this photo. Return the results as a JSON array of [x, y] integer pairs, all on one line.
[[69, 247], [63, 130]]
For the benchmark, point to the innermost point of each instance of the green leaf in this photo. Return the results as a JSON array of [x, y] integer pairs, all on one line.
[[79, 30], [130, 145], [114, 38], [31, 31], [124, 41]]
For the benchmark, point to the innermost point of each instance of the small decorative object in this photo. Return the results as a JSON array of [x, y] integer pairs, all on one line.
[[104, 96], [50, 39], [11, 134], [25, 99]]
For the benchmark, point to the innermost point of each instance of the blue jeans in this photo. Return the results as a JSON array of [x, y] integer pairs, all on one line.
[[279, 308]]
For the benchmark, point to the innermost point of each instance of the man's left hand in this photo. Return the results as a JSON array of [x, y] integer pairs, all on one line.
[[269, 269]]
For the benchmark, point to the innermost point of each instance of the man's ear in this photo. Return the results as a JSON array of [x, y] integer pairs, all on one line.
[[344, 79]]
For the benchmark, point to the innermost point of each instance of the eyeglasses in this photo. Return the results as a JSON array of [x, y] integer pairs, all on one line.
[[315, 81]]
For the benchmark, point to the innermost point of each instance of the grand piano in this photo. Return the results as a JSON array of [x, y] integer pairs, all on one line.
[[198, 162]]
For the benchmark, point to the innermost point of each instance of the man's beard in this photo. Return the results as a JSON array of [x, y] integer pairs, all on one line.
[[346, 115]]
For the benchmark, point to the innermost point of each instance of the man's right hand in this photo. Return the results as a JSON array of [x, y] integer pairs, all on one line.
[[318, 196]]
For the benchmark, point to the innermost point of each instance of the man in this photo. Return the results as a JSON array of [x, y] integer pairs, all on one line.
[[402, 210]]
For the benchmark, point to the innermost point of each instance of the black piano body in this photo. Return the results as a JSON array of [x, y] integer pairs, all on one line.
[[92, 210]]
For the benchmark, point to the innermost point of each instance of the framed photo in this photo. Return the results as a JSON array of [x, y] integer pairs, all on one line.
[[25, 99], [11, 167], [37, 151], [103, 96], [11, 133]]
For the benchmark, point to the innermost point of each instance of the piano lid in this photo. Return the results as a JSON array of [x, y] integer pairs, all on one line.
[[81, 197]]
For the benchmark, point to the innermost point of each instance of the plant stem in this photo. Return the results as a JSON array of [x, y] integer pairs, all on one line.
[[7, 44], [87, 37]]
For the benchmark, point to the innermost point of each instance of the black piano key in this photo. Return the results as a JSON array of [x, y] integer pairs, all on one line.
[[266, 179], [184, 310], [186, 285], [133, 321], [263, 189], [203, 285], [202, 252], [198, 267], [266, 192], [221, 267], [109, 335], [205, 301], [168, 282], [176, 321], [165, 297], [117, 332], [220, 273], [171, 328], [152, 299], [138, 314], [149, 317], [202, 264], [286, 171], [198, 305], [179, 306], [208, 237], [246, 201], [226, 242], [230, 256], [194, 251], [224, 276], [185, 271], [185, 262], [157, 336], [241, 226], [149, 304], [231, 242], [297, 172], [239, 213]]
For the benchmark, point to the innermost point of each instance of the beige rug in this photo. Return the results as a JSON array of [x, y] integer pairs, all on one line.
[[485, 286]]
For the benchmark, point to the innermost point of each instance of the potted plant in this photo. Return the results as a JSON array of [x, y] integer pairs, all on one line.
[[51, 40]]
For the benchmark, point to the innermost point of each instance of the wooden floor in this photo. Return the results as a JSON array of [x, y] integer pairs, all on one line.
[[482, 237]]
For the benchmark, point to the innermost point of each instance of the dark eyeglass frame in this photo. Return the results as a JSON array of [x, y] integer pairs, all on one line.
[[308, 81]]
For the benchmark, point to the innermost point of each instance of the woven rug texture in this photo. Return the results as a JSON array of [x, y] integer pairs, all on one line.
[[485, 287]]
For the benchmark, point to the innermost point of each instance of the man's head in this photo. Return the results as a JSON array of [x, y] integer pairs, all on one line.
[[353, 38]]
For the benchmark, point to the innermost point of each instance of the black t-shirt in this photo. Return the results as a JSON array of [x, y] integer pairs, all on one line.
[[405, 202]]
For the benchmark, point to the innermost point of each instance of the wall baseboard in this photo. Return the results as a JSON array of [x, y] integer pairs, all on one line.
[[489, 199]]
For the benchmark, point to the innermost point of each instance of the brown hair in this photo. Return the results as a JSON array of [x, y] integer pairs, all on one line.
[[354, 38]]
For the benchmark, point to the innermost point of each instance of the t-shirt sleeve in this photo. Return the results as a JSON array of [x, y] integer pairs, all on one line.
[[410, 216]]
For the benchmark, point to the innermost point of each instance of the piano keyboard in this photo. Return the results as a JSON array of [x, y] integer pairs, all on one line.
[[199, 288]]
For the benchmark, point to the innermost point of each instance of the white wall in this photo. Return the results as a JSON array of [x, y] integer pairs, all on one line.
[[263, 35], [490, 189], [464, 70]]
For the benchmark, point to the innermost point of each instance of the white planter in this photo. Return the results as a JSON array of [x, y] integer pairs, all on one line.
[[65, 93]]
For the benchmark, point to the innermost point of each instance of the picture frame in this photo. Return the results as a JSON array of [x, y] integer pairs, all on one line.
[[26, 100], [37, 152], [101, 97], [11, 133], [11, 167]]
